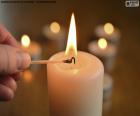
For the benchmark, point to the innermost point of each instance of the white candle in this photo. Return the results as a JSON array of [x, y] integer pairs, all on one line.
[[75, 89], [55, 34], [109, 32], [107, 86], [106, 52]]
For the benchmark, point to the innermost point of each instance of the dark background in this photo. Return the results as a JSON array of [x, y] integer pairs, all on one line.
[[31, 98]]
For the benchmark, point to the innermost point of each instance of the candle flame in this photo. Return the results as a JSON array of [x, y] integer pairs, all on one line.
[[102, 43], [108, 28], [71, 48], [25, 41]]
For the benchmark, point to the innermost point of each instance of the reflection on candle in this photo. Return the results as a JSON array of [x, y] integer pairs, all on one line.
[[55, 27], [25, 41], [27, 76], [102, 43], [71, 48], [109, 28]]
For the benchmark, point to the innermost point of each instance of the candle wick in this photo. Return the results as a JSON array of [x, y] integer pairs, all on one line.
[[72, 59]]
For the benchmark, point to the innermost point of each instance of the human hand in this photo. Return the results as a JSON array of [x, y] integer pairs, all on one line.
[[12, 61]]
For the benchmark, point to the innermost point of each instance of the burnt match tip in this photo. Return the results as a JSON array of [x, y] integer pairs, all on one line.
[[72, 59]]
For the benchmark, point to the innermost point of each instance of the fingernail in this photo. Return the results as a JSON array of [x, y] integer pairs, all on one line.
[[23, 60]]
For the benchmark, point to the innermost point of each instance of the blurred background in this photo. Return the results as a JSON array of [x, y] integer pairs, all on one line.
[[35, 19]]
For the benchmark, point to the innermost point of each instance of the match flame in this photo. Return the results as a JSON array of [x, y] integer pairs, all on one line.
[[102, 43], [25, 41], [71, 49]]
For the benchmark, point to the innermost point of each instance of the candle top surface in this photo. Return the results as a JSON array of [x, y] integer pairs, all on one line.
[[86, 64]]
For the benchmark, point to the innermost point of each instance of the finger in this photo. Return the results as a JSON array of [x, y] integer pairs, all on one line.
[[6, 37], [16, 76], [6, 93], [9, 82], [13, 60]]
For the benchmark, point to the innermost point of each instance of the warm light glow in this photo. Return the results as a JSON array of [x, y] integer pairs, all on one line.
[[27, 75], [25, 41], [55, 27], [102, 43], [71, 48], [108, 28]]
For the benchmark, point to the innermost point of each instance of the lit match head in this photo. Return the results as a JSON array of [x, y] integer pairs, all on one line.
[[69, 60]]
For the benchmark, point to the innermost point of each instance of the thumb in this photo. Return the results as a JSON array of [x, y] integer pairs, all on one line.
[[12, 60]]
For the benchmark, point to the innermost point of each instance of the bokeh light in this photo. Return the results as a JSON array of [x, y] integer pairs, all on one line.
[[55, 27], [102, 43], [108, 28], [25, 41]]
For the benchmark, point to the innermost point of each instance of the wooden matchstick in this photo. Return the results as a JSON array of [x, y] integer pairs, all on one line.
[[45, 62], [49, 61]]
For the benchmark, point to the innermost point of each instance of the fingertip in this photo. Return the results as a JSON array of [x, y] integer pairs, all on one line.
[[27, 60], [9, 82], [10, 94], [23, 60], [6, 94], [13, 60], [16, 76], [12, 84]]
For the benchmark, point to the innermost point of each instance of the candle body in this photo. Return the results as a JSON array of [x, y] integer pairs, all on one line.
[[107, 86], [75, 89]]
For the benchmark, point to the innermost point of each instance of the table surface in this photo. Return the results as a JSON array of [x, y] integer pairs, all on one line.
[[31, 98]]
